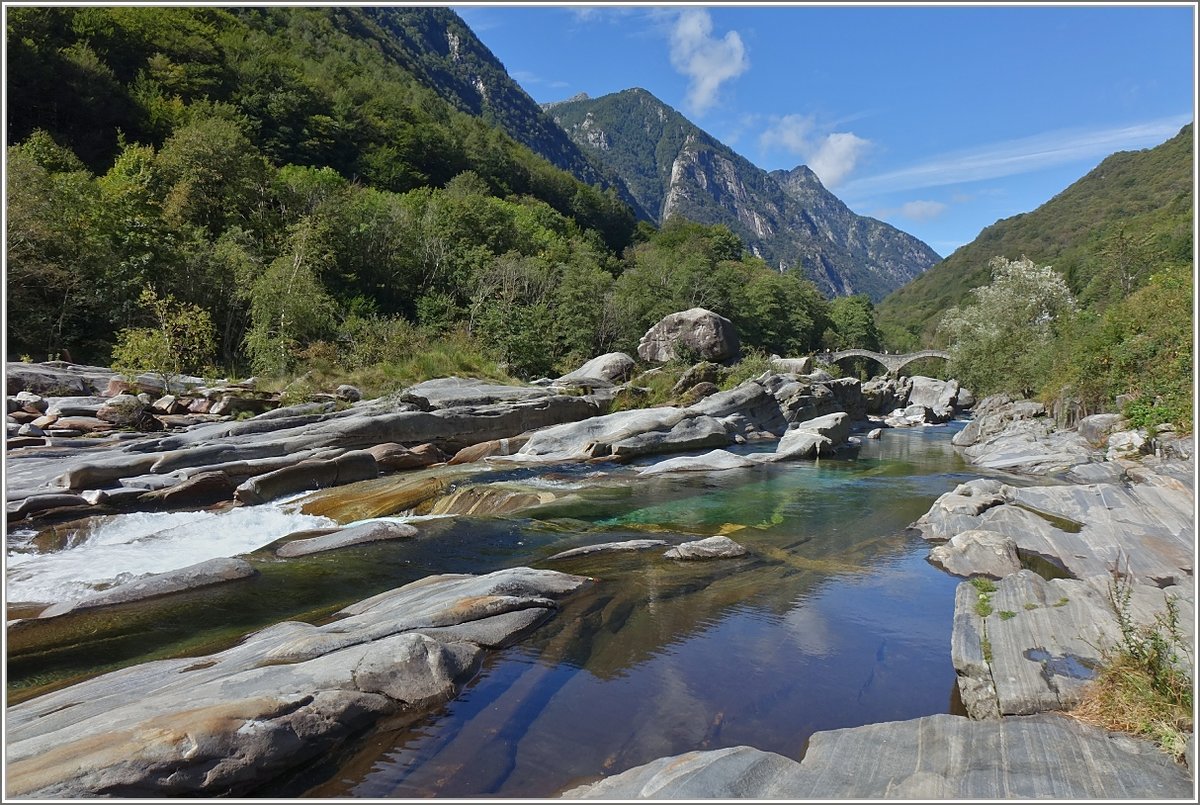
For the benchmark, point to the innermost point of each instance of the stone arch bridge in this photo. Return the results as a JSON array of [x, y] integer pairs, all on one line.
[[893, 363]]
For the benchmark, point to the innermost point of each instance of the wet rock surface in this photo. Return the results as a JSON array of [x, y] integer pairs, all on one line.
[[708, 548]]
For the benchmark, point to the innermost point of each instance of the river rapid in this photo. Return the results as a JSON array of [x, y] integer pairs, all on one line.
[[833, 618]]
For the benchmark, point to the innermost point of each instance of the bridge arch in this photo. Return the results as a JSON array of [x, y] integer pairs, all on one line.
[[892, 362]]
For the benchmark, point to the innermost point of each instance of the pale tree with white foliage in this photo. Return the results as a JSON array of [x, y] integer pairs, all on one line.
[[1002, 340]]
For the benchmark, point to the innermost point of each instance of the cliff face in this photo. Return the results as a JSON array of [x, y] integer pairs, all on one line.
[[786, 217], [445, 55]]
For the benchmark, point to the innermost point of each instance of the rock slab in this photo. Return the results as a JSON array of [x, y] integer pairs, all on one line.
[[935, 757], [228, 722]]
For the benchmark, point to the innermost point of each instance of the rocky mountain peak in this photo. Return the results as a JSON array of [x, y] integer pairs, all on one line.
[[788, 218]]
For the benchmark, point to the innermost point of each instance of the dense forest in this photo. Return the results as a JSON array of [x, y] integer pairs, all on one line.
[[278, 174]]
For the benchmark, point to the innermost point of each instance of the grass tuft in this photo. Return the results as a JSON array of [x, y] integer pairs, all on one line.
[[1145, 684]]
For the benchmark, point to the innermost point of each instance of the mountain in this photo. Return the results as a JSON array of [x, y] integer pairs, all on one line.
[[788, 218], [1145, 194], [441, 51]]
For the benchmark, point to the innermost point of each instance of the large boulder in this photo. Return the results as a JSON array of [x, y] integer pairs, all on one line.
[[611, 366], [696, 332], [627, 433], [939, 396], [356, 465], [977, 553]]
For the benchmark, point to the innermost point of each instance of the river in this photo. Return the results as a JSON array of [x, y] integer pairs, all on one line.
[[833, 619]]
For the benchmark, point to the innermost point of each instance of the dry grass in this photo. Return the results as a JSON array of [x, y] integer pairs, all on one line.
[[1145, 685]]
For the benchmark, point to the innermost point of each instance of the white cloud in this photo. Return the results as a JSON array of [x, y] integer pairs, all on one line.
[[1023, 155], [706, 61], [922, 210], [832, 156], [836, 156]]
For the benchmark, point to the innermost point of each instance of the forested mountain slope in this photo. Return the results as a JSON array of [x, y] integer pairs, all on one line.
[[1145, 194]]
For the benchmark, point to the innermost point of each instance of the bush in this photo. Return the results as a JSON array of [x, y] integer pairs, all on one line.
[[180, 341]]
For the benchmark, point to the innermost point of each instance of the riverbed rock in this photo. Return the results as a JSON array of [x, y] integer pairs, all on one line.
[[492, 447], [712, 461], [943, 757], [230, 721], [875, 433], [1086, 529], [708, 548], [342, 538], [391, 457], [1127, 444], [1033, 445], [611, 366], [75, 406], [1040, 641], [357, 465], [457, 392], [56, 378], [939, 396], [956, 510], [696, 332], [627, 433], [993, 414], [201, 489], [795, 366], [977, 553], [201, 574], [608, 547]]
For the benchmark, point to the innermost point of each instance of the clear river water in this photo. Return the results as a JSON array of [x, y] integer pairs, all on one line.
[[834, 618]]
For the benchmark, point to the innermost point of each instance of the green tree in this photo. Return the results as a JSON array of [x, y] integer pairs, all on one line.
[[1003, 340], [179, 340]]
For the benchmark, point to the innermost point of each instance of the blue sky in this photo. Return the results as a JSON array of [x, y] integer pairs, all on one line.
[[939, 120]]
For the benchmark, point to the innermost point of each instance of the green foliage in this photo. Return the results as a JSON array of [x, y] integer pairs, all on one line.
[[754, 362], [1145, 684], [1143, 196], [179, 341], [1001, 341]]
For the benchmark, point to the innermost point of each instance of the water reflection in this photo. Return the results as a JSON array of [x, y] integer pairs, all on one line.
[[833, 619]]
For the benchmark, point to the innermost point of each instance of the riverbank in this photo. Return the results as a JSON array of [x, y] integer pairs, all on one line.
[[1117, 511], [595, 459]]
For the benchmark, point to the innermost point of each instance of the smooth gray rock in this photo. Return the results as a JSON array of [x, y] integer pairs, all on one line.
[[611, 366], [1033, 447], [457, 392], [1145, 529], [597, 435], [201, 489], [608, 547], [202, 574], [354, 535], [229, 721], [1042, 640], [698, 331], [957, 510], [977, 553], [708, 548], [74, 406], [938, 396], [739, 772], [799, 443], [37, 503], [690, 433], [348, 393], [875, 433], [935, 757], [712, 461], [55, 377], [993, 414]]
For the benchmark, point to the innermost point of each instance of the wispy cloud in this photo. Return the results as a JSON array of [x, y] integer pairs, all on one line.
[[830, 155], [706, 61], [526, 78], [1018, 156], [916, 210]]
